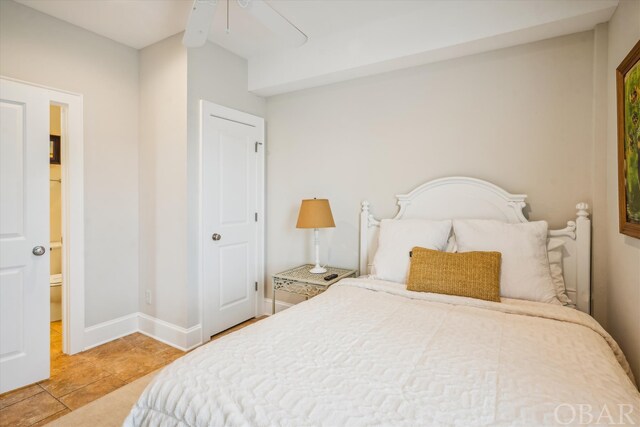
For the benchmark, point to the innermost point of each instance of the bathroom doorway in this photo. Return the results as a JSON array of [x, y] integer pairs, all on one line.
[[56, 240], [66, 221]]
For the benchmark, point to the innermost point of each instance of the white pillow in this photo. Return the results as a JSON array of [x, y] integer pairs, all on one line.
[[554, 250], [398, 237], [525, 272], [555, 254]]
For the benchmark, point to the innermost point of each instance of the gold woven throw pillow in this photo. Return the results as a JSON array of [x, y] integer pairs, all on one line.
[[468, 274]]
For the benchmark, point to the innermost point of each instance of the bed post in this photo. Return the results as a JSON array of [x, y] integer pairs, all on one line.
[[583, 245], [364, 234]]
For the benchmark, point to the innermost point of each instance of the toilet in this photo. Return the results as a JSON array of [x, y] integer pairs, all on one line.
[[55, 281]]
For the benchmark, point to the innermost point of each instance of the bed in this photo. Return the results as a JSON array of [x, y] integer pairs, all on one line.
[[369, 352]]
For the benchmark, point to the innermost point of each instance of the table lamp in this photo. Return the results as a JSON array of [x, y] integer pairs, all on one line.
[[315, 213]]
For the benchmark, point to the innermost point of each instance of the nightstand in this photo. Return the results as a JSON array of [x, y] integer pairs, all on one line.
[[299, 281]]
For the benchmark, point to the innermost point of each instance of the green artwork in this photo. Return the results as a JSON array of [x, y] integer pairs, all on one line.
[[632, 142]]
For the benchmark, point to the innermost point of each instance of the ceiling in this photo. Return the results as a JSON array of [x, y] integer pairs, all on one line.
[[347, 38], [316, 18], [140, 23], [135, 23]]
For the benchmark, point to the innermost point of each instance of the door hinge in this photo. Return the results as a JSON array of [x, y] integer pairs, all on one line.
[[256, 146], [256, 216], [256, 286]]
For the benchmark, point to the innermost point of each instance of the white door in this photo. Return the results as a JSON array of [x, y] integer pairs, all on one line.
[[232, 192], [24, 235]]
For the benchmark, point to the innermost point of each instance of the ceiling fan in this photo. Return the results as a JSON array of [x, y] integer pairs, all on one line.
[[203, 11]]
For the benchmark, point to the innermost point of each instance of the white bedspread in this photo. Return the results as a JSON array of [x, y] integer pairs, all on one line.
[[371, 353]]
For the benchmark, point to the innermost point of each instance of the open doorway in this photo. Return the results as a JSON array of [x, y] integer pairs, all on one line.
[[56, 240], [66, 216]]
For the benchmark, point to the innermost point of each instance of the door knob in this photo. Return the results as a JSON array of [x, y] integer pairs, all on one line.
[[216, 237], [38, 250]]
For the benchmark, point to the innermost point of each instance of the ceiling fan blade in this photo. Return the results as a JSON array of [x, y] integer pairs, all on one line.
[[199, 23], [277, 23]]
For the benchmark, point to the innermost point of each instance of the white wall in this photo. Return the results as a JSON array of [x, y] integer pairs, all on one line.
[[219, 76], [173, 79], [623, 251], [41, 49], [518, 117], [599, 235], [163, 180]]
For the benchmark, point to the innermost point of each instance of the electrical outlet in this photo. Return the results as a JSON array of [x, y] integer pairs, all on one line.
[[147, 297]]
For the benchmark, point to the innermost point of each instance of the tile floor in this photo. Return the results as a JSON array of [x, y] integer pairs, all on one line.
[[79, 379]]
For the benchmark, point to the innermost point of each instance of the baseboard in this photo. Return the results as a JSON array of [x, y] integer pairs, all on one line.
[[280, 305], [181, 338], [176, 336], [110, 330]]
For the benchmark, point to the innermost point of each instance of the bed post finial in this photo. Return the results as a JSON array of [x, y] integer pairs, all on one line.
[[583, 210], [364, 244], [583, 244]]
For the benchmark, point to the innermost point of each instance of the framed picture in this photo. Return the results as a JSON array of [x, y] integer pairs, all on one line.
[[628, 91], [54, 149]]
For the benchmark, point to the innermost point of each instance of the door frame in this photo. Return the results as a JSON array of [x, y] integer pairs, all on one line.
[[238, 116], [72, 150]]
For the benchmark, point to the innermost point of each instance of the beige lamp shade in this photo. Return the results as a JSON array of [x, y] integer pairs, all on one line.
[[315, 213]]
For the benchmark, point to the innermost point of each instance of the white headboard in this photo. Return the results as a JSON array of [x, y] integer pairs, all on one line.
[[470, 198]]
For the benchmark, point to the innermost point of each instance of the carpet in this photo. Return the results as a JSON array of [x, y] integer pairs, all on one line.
[[108, 411]]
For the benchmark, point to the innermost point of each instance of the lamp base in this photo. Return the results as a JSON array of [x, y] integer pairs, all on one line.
[[318, 270]]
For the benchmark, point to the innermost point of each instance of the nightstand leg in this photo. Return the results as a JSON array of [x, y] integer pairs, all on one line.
[[273, 301]]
